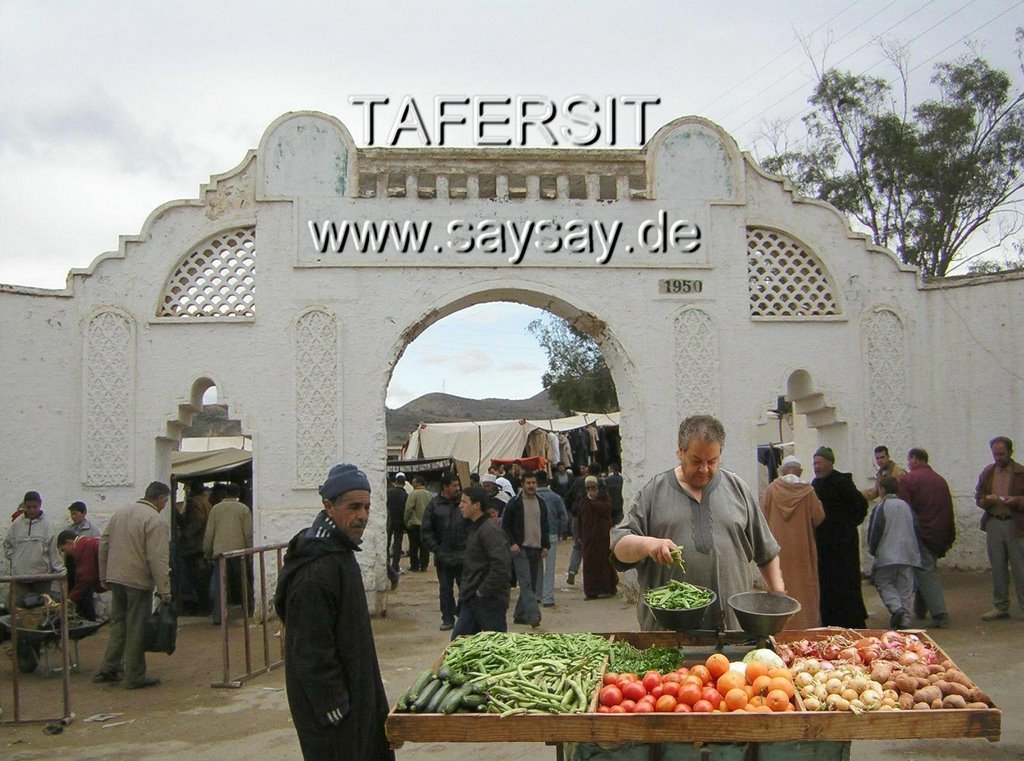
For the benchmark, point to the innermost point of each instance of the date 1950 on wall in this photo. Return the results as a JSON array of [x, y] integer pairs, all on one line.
[[680, 286]]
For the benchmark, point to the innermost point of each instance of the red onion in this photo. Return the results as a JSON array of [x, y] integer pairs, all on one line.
[[851, 654]]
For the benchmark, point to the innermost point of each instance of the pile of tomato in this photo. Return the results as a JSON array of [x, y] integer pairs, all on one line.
[[713, 686]]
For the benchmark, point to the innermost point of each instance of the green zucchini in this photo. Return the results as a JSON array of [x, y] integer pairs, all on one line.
[[473, 701], [454, 699], [417, 687], [438, 697], [444, 673], [425, 695]]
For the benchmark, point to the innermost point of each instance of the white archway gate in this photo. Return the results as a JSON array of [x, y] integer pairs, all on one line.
[[705, 281]]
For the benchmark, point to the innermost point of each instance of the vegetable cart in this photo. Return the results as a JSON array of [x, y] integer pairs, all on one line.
[[795, 734]]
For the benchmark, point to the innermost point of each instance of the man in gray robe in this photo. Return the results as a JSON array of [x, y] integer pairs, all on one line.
[[707, 511]]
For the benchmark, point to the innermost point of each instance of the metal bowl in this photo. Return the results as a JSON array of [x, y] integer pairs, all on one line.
[[681, 619], [763, 613]]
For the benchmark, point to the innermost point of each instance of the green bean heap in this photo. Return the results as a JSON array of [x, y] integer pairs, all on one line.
[[626, 658], [530, 673], [678, 595]]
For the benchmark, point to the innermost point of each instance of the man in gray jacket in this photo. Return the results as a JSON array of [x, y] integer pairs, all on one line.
[[31, 550], [29, 546], [133, 561]]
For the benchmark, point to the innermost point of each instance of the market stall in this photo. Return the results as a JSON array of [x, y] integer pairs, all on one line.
[[577, 732], [430, 469], [480, 442]]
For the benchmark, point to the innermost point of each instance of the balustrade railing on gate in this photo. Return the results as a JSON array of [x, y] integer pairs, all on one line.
[[247, 614], [64, 647]]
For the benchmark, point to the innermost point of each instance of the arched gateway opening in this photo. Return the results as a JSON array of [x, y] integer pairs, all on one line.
[[587, 323]]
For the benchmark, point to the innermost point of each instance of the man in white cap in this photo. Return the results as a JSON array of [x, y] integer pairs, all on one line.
[[505, 487], [793, 511], [496, 498], [335, 691]]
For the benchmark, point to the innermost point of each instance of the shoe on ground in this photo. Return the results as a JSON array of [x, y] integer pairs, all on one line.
[[534, 623], [570, 579], [149, 681], [995, 615], [549, 605], [447, 626], [939, 623], [102, 677], [394, 583], [900, 619]]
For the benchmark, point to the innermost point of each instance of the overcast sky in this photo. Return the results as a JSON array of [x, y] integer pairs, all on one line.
[[110, 109]]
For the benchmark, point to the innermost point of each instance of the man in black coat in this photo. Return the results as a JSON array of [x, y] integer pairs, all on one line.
[[839, 544], [613, 483], [444, 533], [484, 594], [397, 496], [576, 492], [335, 692]]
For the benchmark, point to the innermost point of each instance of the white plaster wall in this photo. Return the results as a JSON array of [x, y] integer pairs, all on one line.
[[383, 302]]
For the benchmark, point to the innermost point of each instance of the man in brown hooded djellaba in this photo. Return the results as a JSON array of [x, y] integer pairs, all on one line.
[[793, 511]]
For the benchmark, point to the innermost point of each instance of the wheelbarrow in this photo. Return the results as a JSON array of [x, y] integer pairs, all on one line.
[[45, 641]]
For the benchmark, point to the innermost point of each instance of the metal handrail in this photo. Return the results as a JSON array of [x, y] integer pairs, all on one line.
[[268, 664], [64, 642]]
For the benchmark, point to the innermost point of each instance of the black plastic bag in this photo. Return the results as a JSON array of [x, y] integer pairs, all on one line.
[[161, 630]]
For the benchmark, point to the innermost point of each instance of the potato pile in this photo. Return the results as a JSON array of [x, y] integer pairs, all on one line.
[[888, 686], [927, 686]]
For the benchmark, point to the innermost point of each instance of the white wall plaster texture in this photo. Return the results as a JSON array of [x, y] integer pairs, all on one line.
[[962, 375]]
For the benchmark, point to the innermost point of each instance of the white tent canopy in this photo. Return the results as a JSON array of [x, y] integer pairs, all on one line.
[[192, 464], [478, 442]]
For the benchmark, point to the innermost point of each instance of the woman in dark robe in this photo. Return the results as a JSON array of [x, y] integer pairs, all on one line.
[[595, 525], [838, 540]]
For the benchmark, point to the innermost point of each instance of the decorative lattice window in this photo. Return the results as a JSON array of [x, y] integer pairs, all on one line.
[[784, 279], [218, 279]]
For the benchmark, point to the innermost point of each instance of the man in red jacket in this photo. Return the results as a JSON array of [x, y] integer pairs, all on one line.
[[929, 497], [1000, 493], [82, 558]]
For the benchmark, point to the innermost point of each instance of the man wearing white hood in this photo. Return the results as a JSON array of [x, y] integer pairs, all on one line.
[[505, 490], [793, 510]]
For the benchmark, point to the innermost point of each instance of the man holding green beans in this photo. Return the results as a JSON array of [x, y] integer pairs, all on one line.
[[709, 512]]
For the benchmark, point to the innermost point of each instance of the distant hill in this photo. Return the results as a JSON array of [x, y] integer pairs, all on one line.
[[445, 408]]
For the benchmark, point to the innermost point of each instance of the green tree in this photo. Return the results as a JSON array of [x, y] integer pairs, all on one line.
[[922, 180], [577, 377]]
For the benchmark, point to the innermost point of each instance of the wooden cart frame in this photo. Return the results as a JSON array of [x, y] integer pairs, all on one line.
[[699, 728]]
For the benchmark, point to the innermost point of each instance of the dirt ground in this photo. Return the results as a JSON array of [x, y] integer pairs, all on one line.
[[187, 718]]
